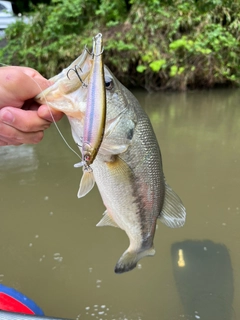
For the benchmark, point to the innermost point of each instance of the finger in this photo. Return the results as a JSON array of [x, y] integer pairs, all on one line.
[[30, 105], [23, 120], [3, 143], [42, 83], [12, 136], [47, 113], [8, 143], [13, 78]]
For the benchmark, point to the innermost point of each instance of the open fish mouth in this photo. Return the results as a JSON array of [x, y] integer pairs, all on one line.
[[69, 88]]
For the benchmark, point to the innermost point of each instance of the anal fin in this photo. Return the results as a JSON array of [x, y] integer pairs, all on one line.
[[113, 148], [107, 221]]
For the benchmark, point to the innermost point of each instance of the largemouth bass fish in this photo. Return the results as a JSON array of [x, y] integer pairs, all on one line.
[[128, 166]]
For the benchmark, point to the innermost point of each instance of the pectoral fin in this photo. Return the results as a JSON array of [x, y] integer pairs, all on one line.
[[107, 221], [86, 184], [173, 213], [117, 145], [113, 149]]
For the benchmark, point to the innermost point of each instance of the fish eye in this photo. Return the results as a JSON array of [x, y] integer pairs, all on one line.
[[109, 83]]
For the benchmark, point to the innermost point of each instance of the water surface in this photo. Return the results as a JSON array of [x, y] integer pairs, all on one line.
[[51, 250]]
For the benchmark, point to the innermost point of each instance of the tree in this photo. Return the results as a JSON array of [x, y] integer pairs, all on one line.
[[20, 6]]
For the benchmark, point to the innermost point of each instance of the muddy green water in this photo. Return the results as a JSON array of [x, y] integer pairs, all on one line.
[[51, 250]]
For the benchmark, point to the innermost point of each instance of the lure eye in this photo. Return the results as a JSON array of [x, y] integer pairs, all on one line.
[[87, 157], [109, 83]]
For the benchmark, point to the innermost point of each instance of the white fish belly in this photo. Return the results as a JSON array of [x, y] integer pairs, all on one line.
[[116, 187]]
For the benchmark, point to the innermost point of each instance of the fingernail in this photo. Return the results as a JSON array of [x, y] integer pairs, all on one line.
[[45, 113], [7, 117]]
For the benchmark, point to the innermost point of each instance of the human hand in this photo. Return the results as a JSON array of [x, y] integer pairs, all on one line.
[[22, 120]]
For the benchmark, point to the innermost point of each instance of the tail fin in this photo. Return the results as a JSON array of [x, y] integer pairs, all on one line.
[[129, 259]]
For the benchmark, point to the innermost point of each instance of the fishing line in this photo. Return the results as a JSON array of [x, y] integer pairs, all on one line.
[[55, 123], [50, 111]]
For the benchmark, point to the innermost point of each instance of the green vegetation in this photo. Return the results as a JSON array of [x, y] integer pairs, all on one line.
[[162, 44], [20, 6]]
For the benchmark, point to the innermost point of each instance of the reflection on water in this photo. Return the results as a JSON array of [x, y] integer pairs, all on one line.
[[51, 250], [22, 159], [205, 279]]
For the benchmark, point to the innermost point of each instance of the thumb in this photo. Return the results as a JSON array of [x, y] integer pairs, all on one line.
[[19, 84]]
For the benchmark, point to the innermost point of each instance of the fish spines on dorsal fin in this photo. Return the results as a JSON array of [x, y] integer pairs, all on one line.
[[86, 184], [173, 213], [129, 259], [107, 221]]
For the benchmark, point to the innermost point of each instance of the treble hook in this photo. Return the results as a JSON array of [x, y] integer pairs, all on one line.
[[92, 53], [76, 71], [96, 55], [86, 48]]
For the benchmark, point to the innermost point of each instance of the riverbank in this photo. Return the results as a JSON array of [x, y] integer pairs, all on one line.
[[158, 47]]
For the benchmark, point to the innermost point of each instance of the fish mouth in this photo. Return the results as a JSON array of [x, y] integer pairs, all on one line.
[[68, 91]]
